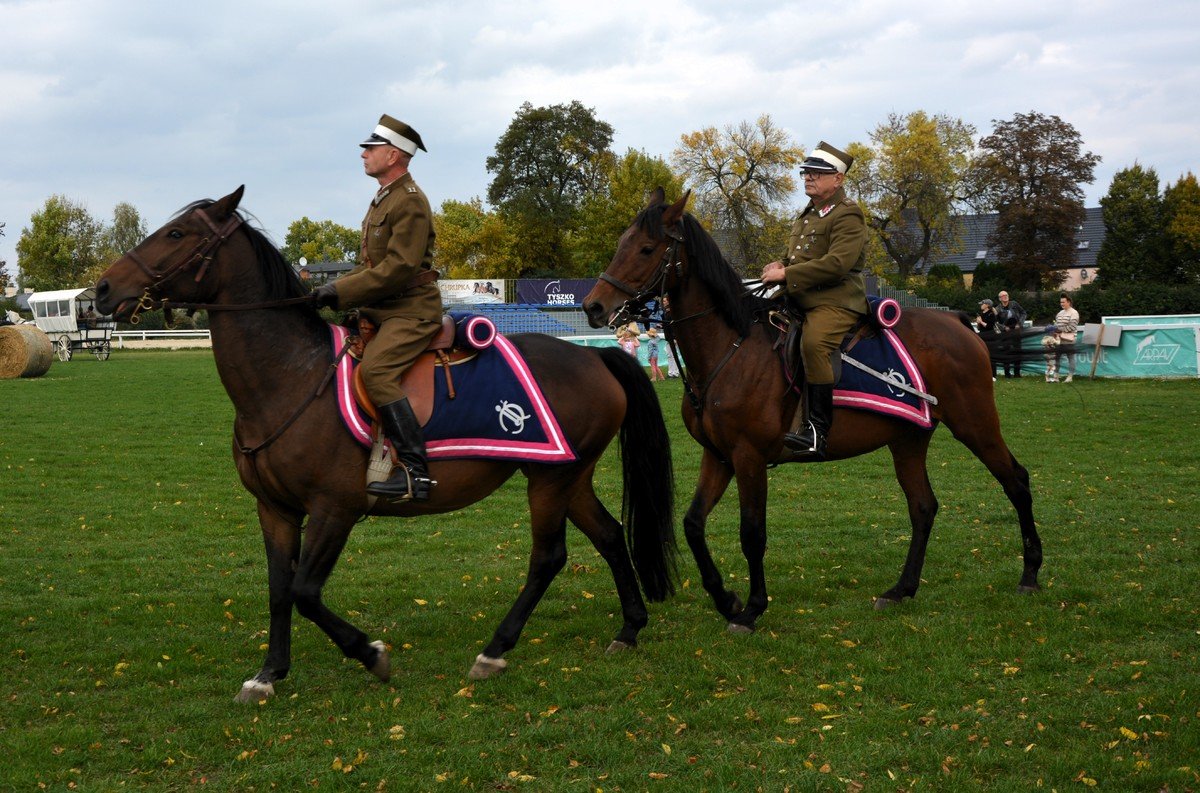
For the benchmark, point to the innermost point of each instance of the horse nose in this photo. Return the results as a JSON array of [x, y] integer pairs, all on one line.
[[592, 310], [103, 289]]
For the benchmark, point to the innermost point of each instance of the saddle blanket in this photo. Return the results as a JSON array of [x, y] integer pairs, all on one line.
[[886, 354], [498, 413]]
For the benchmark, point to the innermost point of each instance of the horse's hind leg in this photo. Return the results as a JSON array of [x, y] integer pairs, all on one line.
[[548, 508], [909, 460], [714, 479], [991, 450], [605, 533]]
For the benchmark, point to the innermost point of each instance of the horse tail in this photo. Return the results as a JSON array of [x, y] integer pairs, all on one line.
[[648, 502]]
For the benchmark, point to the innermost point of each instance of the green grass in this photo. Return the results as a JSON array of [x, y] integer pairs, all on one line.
[[133, 603]]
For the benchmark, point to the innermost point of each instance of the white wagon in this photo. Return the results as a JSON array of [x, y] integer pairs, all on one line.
[[70, 319]]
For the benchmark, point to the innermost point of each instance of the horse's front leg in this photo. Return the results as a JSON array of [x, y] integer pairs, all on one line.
[[281, 535], [752, 502], [714, 478]]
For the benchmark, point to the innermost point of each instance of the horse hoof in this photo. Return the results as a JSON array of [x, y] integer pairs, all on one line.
[[618, 646], [1026, 589], [254, 691], [486, 667], [882, 603], [737, 627], [382, 668]]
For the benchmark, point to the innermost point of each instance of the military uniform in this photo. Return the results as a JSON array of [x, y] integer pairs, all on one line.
[[823, 268], [397, 245]]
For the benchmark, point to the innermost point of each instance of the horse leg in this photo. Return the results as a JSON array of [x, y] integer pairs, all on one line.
[[714, 478], [909, 461], [604, 531], [281, 535], [752, 501], [1012, 476], [546, 558], [326, 536]]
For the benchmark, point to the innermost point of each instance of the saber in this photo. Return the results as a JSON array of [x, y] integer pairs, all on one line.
[[930, 398]]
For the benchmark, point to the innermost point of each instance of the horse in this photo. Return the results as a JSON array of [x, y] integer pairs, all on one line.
[[294, 455], [739, 402]]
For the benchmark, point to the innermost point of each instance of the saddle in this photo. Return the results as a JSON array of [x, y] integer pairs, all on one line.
[[789, 321], [417, 381]]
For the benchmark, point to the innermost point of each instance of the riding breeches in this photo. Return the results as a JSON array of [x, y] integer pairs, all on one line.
[[824, 329], [395, 347]]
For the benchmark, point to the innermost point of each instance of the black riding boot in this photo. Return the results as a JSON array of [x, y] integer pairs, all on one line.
[[410, 480], [809, 443]]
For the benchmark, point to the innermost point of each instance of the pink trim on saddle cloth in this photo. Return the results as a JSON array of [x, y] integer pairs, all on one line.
[[556, 449], [880, 403]]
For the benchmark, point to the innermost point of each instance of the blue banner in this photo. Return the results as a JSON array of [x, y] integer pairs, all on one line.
[[553, 291]]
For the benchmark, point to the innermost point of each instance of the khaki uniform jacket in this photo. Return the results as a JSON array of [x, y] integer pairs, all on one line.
[[397, 244], [825, 256]]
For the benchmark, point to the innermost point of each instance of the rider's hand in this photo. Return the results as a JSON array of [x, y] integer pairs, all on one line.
[[325, 295], [773, 273]]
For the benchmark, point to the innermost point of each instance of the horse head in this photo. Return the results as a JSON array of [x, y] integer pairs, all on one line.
[[644, 266], [171, 264]]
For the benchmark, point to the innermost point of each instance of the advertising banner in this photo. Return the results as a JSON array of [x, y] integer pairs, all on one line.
[[1161, 351], [553, 291], [464, 290]]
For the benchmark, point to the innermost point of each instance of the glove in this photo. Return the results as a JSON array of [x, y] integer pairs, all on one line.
[[325, 295]]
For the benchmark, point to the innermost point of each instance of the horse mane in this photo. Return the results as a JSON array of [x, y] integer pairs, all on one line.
[[733, 303], [280, 279]]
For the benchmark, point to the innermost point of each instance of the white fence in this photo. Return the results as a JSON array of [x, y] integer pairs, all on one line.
[[186, 338]]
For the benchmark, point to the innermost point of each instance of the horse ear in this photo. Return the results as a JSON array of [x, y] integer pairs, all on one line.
[[657, 196], [225, 207], [675, 211]]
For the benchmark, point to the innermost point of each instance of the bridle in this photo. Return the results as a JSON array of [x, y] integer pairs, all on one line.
[[654, 287], [201, 257]]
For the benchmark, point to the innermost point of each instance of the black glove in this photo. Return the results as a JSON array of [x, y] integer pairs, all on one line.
[[325, 295]]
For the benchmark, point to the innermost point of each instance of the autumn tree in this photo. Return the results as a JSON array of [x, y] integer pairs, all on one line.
[[1181, 213], [1135, 243], [473, 243], [741, 179], [910, 181], [320, 241], [61, 246], [1029, 172], [627, 182], [547, 162], [123, 234]]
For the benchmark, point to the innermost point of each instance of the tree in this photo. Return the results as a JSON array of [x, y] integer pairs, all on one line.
[[127, 230], [606, 213], [4, 280], [320, 241], [61, 246], [910, 182], [741, 178], [547, 162], [473, 243], [1029, 171], [1181, 211], [1135, 241]]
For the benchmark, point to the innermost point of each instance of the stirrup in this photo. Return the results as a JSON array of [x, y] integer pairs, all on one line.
[[807, 442], [415, 488]]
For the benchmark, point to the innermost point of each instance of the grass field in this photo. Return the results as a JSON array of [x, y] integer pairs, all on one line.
[[133, 596]]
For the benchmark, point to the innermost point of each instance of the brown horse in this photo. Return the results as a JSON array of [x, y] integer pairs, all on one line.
[[272, 352], [739, 405]]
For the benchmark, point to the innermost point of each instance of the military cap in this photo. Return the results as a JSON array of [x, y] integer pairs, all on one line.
[[827, 159], [392, 132]]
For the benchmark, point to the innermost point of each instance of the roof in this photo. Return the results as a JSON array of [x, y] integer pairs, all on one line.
[[974, 231], [61, 294]]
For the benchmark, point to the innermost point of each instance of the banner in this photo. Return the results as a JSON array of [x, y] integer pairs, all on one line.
[[464, 290], [553, 291]]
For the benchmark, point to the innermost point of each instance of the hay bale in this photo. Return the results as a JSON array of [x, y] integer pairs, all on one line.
[[24, 352]]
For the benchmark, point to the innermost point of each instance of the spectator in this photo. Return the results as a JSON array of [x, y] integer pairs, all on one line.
[[1012, 318], [627, 337], [652, 353], [1060, 340], [987, 323]]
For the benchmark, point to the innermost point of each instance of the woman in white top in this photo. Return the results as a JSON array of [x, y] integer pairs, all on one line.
[[1062, 340]]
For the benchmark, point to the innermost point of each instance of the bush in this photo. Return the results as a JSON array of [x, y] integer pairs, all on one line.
[[945, 275]]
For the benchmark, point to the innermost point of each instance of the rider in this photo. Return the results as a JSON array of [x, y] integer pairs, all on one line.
[[822, 274], [396, 288]]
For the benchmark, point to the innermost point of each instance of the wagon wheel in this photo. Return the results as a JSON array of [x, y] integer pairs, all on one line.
[[64, 348], [102, 349]]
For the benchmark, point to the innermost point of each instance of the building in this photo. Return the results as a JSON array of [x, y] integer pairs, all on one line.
[[973, 250]]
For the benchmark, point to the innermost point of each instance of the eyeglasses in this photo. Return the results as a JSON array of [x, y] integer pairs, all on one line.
[[815, 174]]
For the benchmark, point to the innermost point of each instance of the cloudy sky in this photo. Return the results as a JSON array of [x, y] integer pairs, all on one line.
[[158, 104]]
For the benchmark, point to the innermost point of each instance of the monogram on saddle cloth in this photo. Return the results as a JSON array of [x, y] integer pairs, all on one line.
[[881, 376]]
